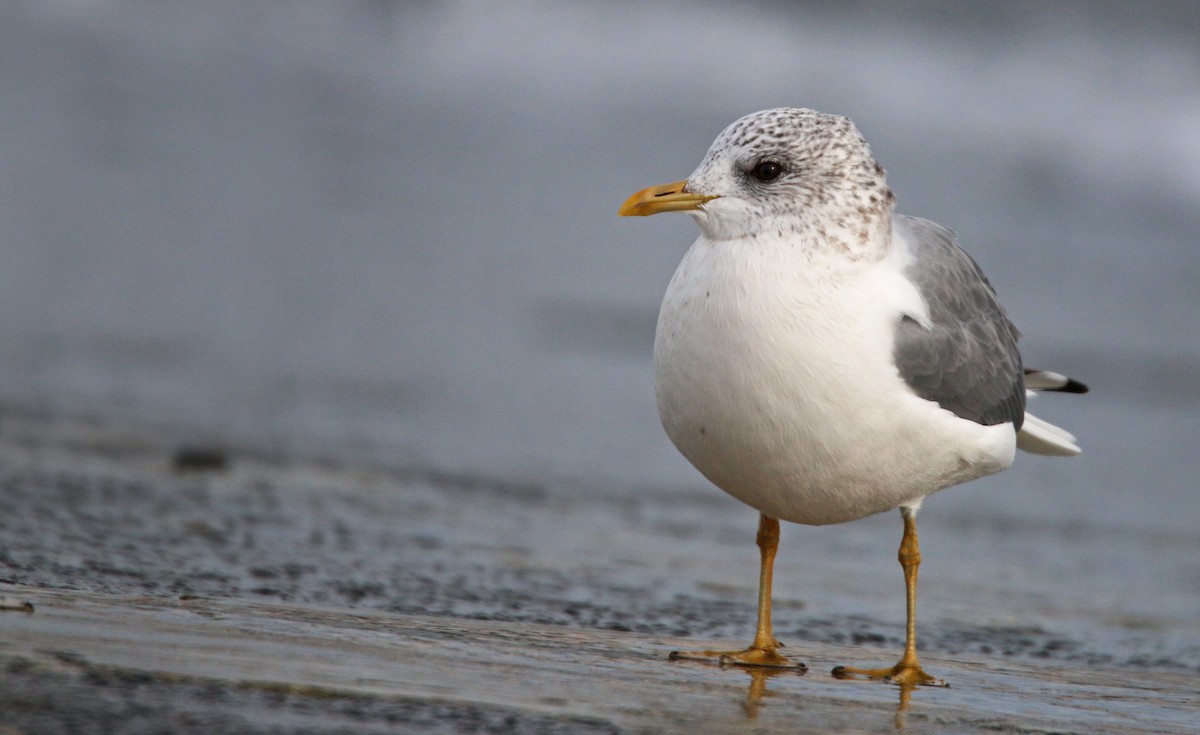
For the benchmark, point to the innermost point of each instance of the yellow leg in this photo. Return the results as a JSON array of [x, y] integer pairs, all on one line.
[[764, 651], [908, 672]]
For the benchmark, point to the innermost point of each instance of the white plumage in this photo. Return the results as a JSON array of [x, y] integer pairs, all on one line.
[[822, 358], [775, 378]]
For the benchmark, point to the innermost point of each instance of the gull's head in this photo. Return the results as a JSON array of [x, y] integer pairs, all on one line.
[[780, 171]]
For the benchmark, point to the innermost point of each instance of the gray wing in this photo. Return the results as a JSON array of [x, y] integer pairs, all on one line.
[[967, 361]]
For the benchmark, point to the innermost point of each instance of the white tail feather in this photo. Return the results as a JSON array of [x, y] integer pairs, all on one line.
[[1042, 437]]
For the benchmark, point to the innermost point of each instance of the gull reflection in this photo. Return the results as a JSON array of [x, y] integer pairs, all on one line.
[[757, 691], [906, 690]]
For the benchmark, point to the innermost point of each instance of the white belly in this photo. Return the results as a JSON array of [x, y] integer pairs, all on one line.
[[779, 387]]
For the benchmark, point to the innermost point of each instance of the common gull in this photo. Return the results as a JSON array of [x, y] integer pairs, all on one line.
[[822, 358]]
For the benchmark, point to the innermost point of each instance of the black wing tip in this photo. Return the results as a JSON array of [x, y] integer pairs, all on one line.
[[1070, 385], [1073, 386]]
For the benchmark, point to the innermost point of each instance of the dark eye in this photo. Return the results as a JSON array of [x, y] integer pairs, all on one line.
[[766, 171]]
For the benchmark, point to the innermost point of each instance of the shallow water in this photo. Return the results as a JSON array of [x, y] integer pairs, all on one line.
[[320, 596], [258, 667]]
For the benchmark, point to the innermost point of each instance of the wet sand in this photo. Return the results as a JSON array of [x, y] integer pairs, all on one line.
[[252, 665], [295, 594]]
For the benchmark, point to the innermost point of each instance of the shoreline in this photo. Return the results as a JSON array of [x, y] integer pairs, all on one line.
[[263, 592]]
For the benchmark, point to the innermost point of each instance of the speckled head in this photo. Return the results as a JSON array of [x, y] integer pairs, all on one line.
[[794, 170]]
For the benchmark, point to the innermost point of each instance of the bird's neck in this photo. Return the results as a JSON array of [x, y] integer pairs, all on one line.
[[851, 233]]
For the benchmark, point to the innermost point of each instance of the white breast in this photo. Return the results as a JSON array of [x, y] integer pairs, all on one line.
[[774, 377]]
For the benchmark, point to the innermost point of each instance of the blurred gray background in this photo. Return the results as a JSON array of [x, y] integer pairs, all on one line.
[[389, 229]]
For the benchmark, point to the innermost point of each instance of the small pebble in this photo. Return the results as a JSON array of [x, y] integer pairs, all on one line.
[[200, 459], [12, 604]]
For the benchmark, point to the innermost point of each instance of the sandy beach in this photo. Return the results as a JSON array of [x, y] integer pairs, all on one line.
[[311, 596]]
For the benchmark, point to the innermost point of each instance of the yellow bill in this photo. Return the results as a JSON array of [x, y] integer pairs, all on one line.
[[672, 197]]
